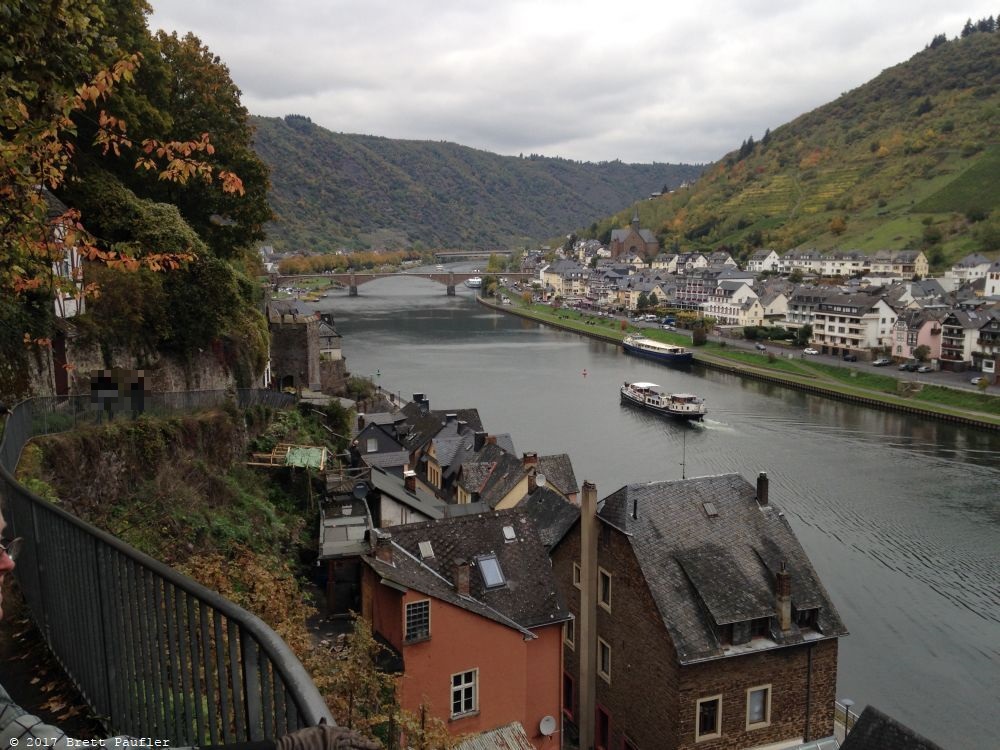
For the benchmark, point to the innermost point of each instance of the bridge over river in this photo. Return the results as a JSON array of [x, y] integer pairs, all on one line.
[[353, 279]]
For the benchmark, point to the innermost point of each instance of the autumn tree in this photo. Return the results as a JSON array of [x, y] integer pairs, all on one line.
[[71, 107], [362, 697]]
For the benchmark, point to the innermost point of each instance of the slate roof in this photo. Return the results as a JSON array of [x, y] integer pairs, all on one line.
[[507, 470], [389, 460], [877, 731], [395, 488], [971, 261], [381, 418], [465, 452], [706, 571], [418, 427], [558, 471], [620, 235], [529, 598], [552, 514]]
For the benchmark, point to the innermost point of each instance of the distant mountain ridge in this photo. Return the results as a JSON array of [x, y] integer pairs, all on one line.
[[334, 189], [909, 160]]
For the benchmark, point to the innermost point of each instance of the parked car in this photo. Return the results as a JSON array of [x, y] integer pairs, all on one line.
[[979, 379], [850, 358], [810, 350], [925, 368], [909, 366], [760, 347], [882, 362]]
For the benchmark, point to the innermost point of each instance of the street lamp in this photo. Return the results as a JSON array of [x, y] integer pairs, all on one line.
[[847, 704]]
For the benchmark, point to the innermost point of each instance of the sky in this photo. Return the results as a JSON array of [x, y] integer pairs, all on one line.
[[634, 80]]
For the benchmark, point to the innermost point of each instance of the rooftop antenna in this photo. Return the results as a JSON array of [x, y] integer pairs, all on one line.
[[684, 442]]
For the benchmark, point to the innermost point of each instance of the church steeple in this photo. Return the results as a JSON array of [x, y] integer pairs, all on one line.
[[635, 219]]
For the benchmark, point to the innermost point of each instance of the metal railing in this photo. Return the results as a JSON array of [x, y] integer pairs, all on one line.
[[154, 653]]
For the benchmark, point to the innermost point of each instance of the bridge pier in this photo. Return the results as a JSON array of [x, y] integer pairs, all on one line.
[[352, 290], [451, 290]]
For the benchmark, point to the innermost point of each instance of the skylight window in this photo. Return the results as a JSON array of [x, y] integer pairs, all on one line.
[[426, 550], [509, 534], [489, 567]]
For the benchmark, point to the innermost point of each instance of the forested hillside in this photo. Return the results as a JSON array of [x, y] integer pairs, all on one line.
[[909, 160], [333, 189]]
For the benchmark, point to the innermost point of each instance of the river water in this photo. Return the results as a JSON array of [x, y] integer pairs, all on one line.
[[900, 515]]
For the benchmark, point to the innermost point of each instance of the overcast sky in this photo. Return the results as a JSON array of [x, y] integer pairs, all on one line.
[[582, 79]]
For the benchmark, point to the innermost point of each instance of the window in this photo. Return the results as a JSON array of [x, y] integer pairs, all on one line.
[[758, 706], [567, 695], [464, 695], [489, 566], [371, 445], [418, 620], [602, 730], [708, 718], [806, 618], [604, 589], [604, 659], [576, 575], [569, 632], [760, 627]]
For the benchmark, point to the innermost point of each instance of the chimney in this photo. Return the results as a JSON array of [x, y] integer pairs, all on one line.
[[479, 440], [529, 459], [361, 422], [425, 406], [450, 418], [491, 439], [381, 542], [587, 626], [762, 488], [418, 398], [462, 578], [784, 591], [410, 481]]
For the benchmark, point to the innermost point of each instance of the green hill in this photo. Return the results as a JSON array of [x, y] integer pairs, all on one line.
[[909, 160], [333, 189]]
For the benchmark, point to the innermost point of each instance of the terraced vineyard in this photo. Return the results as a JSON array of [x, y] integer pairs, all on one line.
[[909, 160]]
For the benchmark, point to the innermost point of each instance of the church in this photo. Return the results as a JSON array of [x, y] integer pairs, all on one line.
[[641, 241]]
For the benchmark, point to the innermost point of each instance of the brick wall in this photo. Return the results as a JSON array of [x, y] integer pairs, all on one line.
[[644, 672], [295, 352], [787, 671]]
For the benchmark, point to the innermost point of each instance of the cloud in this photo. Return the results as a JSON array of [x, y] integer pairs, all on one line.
[[637, 80]]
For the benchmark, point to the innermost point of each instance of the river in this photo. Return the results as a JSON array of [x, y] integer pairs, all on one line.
[[899, 515]]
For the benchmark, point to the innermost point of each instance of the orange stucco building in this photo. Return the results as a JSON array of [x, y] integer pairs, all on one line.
[[470, 605]]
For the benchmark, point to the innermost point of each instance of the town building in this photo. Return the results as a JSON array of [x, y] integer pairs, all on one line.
[[704, 621], [851, 323], [763, 260], [470, 606]]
